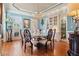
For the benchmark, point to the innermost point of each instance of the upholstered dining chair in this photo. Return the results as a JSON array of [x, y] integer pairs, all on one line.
[[50, 37], [21, 34], [27, 38]]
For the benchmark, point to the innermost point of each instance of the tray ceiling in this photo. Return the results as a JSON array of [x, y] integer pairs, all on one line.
[[32, 7]]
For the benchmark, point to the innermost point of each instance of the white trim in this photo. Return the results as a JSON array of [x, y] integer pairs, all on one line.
[[51, 7], [20, 12], [3, 23]]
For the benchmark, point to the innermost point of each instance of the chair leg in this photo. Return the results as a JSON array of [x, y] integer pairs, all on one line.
[[22, 42], [46, 46], [51, 44], [25, 47], [31, 47]]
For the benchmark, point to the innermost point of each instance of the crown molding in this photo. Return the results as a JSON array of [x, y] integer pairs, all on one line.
[[21, 9], [42, 11]]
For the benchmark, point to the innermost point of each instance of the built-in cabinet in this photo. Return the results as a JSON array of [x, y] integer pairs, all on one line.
[[57, 20], [52, 22]]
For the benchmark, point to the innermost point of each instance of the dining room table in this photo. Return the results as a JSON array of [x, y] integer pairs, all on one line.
[[39, 39]]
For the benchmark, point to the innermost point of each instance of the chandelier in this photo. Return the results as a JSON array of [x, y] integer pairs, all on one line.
[[38, 15], [74, 13]]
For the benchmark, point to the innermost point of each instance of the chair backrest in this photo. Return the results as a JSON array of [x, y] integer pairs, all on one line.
[[50, 33], [54, 32], [21, 33], [27, 34]]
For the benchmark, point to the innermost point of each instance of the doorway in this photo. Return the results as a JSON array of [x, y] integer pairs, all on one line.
[[63, 28]]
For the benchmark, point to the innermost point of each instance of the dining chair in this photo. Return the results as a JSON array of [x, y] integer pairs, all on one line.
[[21, 34], [27, 39], [50, 37], [44, 42]]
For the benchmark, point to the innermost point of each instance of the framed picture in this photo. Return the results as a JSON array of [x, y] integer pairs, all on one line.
[[26, 23]]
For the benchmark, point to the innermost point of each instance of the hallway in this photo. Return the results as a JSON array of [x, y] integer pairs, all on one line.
[[15, 49]]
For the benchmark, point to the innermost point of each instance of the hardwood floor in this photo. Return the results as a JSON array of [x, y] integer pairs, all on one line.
[[15, 49]]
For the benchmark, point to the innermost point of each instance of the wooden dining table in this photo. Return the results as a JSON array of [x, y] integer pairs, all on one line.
[[39, 39]]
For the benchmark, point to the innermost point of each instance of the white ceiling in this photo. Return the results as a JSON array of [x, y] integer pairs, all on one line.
[[33, 7]]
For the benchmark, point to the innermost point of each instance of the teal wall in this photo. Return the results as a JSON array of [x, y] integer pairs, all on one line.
[[70, 24], [42, 24], [23, 16], [18, 18]]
